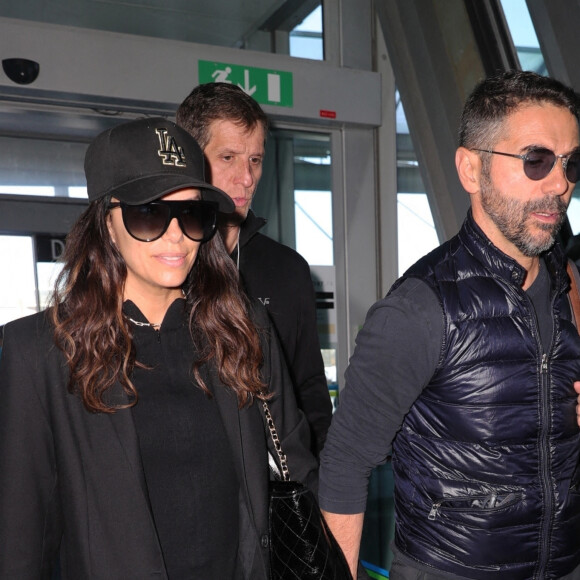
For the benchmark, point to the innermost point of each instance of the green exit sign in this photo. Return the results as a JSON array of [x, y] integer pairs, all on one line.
[[268, 87]]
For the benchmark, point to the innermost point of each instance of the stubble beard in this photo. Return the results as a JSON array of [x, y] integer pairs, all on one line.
[[512, 218]]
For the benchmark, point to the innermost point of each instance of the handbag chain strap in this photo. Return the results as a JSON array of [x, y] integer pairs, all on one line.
[[574, 294], [276, 441]]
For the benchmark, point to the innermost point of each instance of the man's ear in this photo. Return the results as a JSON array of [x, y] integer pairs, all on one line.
[[468, 164]]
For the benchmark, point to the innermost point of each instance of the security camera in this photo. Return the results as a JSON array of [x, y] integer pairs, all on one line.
[[21, 70]]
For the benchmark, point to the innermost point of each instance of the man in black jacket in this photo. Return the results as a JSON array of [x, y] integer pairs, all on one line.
[[231, 129]]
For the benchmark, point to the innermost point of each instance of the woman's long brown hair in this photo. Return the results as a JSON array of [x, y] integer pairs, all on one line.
[[95, 337]]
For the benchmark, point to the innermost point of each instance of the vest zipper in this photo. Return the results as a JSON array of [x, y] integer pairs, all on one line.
[[545, 410], [543, 451], [544, 363], [491, 501], [543, 448]]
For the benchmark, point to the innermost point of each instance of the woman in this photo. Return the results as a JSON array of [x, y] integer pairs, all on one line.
[[132, 444]]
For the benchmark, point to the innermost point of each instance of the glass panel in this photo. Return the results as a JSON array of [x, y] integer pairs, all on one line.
[[574, 212], [524, 36], [80, 192], [295, 194], [29, 289], [306, 39], [329, 358], [313, 211], [40, 167], [46, 273], [42, 190], [323, 278], [415, 227], [18, 298]]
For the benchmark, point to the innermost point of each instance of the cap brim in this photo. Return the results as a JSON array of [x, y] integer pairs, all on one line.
[[153, 187]]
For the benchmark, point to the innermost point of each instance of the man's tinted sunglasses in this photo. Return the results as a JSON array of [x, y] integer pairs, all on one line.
[[538, 163]]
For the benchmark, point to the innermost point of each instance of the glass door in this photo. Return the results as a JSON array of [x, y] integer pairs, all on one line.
[[295, 196], [28, 280]]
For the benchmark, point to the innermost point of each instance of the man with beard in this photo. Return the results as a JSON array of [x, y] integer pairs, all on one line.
[[465, 372]]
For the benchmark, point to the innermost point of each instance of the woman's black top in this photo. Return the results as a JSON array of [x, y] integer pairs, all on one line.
[[192, 485]]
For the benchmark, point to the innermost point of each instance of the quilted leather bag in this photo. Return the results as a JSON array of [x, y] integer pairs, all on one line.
[[301, 545]]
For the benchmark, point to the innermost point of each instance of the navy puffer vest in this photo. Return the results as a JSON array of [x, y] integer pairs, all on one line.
[[486, 462]]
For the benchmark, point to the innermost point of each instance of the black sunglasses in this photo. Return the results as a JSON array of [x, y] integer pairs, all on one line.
[[538, 163], [149, 221]]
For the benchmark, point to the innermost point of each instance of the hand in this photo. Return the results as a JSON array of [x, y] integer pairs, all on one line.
[[577, 389]]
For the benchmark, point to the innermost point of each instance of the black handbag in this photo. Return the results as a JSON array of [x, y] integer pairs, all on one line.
[[301, 545]]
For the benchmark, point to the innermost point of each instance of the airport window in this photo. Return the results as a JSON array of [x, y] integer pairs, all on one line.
[[41, 167], [295, 193], [313, 214], [524, 36], [31, 281], [415, 227], [306, 39]]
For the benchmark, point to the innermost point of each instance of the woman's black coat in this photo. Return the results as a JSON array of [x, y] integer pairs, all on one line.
[[72, 484]]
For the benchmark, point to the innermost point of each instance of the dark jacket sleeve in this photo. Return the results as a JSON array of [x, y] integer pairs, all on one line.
[[290, 421], [396, 353], [280, 278], [30, 520]]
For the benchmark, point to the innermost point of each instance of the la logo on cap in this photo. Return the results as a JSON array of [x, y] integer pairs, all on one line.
[[169, 150]]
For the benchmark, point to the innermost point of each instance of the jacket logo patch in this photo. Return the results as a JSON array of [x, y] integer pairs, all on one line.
[[264, 301], [169, 150]]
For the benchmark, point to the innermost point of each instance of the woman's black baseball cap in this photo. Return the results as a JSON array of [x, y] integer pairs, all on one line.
[[143, 160]]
